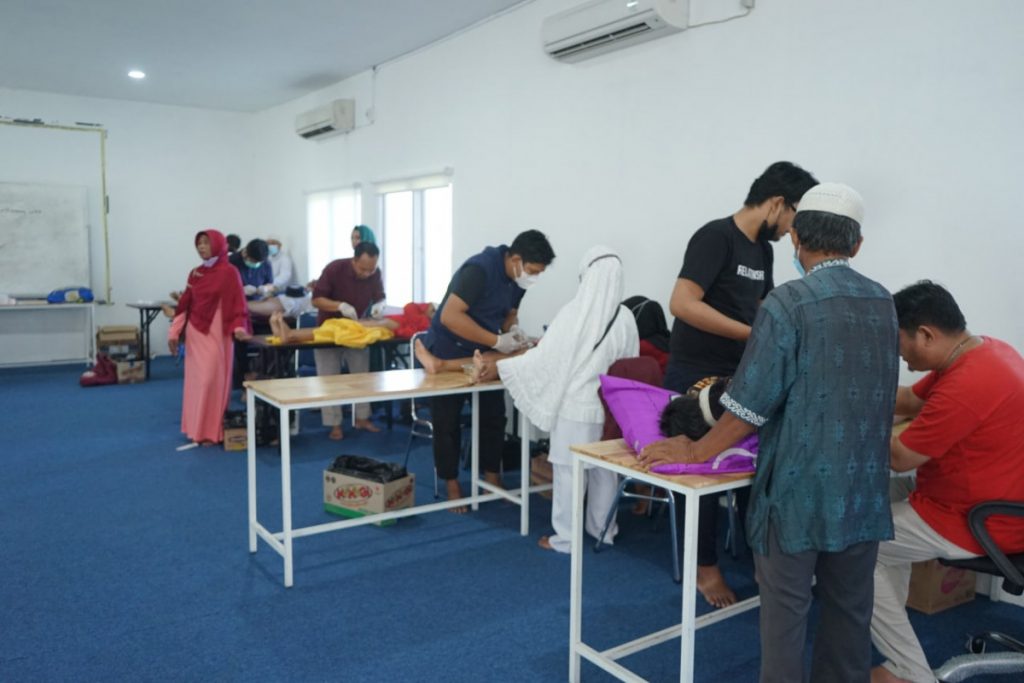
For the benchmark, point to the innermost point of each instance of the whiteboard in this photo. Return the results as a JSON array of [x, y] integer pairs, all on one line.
[[44, 238]]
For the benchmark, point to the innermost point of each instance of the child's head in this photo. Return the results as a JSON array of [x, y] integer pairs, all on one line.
[[685, 414]]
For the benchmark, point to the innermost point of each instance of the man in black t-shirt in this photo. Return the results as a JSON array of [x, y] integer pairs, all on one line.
[[726, 273]]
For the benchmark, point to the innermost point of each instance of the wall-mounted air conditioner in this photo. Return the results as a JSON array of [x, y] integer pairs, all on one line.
[[600, 26], [331, 119]]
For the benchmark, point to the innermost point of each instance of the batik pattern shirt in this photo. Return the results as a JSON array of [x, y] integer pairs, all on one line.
[[818, 379]]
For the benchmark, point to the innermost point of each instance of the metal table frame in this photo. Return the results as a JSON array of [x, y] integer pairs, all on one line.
[[692, 488], [148, 312], [315, 392]]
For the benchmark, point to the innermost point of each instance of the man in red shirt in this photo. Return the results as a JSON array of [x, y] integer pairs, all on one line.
[[967, 444]]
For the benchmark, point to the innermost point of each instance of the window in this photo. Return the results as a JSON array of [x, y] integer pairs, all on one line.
[[416, 238], [330, 217]]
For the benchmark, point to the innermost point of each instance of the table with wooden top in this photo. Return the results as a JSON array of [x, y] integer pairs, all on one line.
[[617, 457], [316, 392]]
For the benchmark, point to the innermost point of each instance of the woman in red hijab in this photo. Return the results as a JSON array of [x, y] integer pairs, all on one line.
[[211, 312]]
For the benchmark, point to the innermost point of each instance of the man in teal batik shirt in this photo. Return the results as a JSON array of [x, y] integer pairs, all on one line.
[[818, 380]]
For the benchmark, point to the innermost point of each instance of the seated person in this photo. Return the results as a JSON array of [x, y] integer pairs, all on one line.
[[967, 443], [257, 275], [342, 331], [293, 302]]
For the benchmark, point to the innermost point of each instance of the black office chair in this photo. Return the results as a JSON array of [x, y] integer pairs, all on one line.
[[996, 563]]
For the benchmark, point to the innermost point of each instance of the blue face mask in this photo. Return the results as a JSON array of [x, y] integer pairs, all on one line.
[[796, 263], [250, 264], [273, 250]]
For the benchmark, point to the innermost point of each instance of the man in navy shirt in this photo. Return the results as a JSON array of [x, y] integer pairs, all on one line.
[[818, 380], [480, 312], [726, 274]]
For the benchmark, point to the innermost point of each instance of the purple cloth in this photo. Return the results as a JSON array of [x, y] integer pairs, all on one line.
[[741, 458]]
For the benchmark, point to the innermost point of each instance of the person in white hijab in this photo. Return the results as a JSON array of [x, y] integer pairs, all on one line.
[[556, 385]]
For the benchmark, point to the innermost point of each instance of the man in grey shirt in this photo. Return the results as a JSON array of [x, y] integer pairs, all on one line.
[[818, 378]]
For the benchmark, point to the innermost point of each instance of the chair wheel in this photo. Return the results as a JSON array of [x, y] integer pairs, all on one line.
[[975, 645]]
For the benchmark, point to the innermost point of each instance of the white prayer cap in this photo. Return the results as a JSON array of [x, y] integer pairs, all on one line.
[[842, 200]]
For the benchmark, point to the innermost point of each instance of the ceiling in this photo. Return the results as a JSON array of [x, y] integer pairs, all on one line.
[[240, 55]]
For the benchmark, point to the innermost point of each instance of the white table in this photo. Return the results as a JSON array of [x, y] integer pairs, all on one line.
[[315, 392], [37, 334], [616, 457]]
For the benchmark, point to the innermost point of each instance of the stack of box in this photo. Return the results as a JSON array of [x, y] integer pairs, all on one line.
[[235, 431], [121, 344]]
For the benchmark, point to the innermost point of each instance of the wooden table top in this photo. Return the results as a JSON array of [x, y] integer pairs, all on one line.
[[618, 453], [365, 386]]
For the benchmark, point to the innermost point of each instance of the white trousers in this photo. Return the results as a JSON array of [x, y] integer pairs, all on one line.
[[915, 541], [329, 362], [599, 485]]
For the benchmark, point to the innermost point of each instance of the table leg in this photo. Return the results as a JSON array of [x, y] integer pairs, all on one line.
[[474, 449], [250, 434], [689, 586], [524, 472], [286, 494], [576, 573]]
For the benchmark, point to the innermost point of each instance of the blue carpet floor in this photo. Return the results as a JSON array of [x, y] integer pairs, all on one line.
[[123, 559]]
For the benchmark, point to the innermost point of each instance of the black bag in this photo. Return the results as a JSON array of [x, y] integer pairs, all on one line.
[[367, 468]]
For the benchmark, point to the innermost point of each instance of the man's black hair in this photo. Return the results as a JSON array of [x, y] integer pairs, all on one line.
[[234, 242], [256, 251], [782, 179], [826, 233], [534, 247], [367, 248], [926, 303], [683, 415]]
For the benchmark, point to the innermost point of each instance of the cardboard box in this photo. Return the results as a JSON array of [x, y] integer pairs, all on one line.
[[118, 341], [935, 587], [131, 371], [352, 497], [235, 431]]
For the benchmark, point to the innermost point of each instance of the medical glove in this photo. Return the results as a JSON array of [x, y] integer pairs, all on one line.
[[347, 311], [507, 343]]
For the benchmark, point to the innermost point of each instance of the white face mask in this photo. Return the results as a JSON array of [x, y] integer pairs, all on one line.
[[525, 280]]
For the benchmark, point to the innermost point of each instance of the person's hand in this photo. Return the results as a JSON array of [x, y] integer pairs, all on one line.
[[507, 343], [675, 449], [347, 311], [267, 290], [172, 346], [242, 334], [518, 334], [250, 290], [377, 310]]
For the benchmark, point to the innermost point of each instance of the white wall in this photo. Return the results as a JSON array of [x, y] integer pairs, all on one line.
[[170, 172], [916, 104]]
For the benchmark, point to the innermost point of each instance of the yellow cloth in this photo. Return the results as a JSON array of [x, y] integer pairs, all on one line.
[[345, 332]]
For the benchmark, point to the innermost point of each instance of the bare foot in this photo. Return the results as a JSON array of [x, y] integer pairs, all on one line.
[[544, 542], [367, 425], [713, 587], [276, 318], [882, 675], [336, 433], [454, 493], [430, 362], [494, 479], [478, 366]]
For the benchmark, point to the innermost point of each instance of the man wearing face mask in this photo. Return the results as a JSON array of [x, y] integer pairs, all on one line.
[[257, 275], [726, 273], [479, 312]]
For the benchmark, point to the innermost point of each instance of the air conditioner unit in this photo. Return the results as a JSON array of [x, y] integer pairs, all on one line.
[[601, 26], [330, 119]]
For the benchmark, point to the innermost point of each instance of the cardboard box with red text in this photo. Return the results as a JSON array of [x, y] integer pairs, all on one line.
[[935, 587], [352, 497]]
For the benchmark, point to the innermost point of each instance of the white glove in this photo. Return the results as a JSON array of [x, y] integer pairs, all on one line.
[[518, 334], [507, 343], [347, 311], [377, 310], [250, 290]]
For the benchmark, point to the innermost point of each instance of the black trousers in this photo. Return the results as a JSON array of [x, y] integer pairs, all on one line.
[[679, 378], [844, 590], [445, 414]]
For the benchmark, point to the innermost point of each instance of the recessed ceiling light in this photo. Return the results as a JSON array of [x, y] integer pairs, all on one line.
[[136, 74]]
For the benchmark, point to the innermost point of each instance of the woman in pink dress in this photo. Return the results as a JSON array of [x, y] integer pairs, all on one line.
[[211, 312]]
